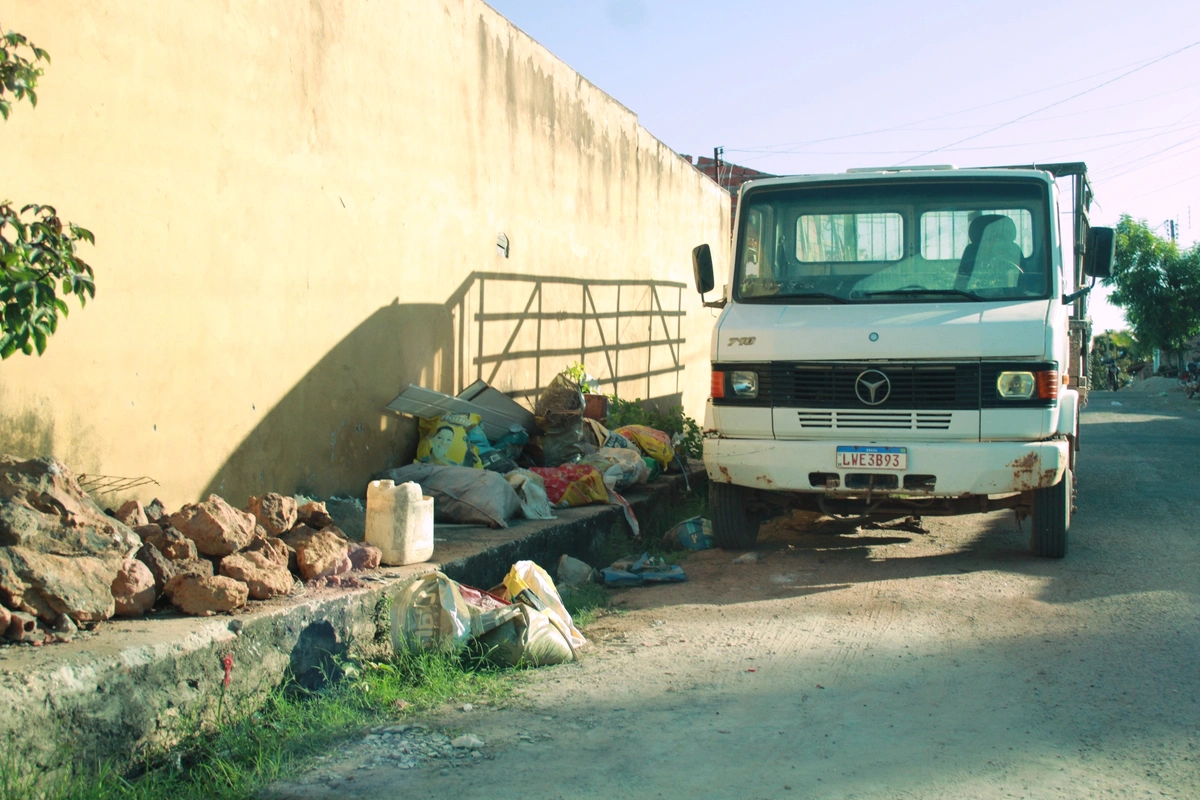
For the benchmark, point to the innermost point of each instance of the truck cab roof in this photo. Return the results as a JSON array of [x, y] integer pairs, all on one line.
[[1046, 173]]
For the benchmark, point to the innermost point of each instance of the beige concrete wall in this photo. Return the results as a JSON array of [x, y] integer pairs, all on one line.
[[296, 207]]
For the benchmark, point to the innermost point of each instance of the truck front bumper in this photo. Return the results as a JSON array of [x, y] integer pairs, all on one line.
[[957, 468]]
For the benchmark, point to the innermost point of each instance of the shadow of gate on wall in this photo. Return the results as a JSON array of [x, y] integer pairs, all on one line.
[[517, 331], [330, 432]]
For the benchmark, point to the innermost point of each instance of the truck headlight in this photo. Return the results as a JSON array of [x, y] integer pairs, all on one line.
[[1015, 385], [744, 382]]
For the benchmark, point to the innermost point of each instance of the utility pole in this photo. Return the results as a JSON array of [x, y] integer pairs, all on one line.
[[1171, 228], [717, 153]]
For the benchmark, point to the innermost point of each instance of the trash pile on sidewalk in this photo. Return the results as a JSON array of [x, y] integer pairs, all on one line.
[[485, 459], [66, 564], [521, 621]]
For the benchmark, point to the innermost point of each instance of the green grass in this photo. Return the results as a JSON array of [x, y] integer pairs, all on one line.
[[585, 603], [279, 739]]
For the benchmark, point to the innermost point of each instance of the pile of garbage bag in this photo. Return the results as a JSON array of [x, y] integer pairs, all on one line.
[[555, 458], [520, 622]]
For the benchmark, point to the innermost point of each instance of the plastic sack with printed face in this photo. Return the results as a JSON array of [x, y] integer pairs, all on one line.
[[445, 441]]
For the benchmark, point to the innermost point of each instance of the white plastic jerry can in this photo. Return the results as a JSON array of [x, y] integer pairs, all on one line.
[[400, 522]]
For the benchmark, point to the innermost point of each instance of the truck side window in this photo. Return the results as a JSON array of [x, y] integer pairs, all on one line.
[[758, 252], [823, 238], [752, 265], [946, 234]]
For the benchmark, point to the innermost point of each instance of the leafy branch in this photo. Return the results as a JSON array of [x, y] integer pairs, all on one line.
[[18, 72], [38, 263], [37, 259]]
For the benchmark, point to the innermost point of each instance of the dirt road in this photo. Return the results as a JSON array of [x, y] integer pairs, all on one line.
[[880, 663]]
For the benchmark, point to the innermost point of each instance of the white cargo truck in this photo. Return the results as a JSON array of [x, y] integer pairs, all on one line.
[[902, 342]]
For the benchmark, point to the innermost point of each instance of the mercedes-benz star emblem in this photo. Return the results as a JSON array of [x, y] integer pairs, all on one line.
[[872, 387]]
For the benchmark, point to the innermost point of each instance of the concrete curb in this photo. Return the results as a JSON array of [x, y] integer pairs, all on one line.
[[139, 685]]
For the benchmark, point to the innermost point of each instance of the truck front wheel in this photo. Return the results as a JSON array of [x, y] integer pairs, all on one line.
[[735, 527], [1051, 518]]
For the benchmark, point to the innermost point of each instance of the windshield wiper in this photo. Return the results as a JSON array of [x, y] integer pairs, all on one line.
[[783, 298], [916, 291]]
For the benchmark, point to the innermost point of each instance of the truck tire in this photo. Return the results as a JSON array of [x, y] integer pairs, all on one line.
[[1052, 518], [735, 527]]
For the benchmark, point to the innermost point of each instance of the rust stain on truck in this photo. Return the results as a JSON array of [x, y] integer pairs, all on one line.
[[1025, 472]]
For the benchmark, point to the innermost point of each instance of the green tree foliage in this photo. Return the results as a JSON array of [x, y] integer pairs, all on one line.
[[37, 250], [18, 74], [1157, 284], [1121, 348]]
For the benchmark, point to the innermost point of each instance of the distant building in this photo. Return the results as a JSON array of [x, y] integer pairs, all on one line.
[[730, 177]]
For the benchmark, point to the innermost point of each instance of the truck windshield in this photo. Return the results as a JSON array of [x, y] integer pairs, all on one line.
[[895, 242]]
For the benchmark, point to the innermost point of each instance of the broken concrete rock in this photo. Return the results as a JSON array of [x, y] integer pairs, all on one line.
[[303, 533], [314, 515], [365, 556], [276, 512], [132, 514], [133, 589], [65, 625], [200, 567], [168, 541], [216, 527], [159, 565], [263, 577], [203, 596], [59, 552], [299, 535], [156, 510], [273, 548], [23, 627], [48, 585], [323, 555], [5, 618]]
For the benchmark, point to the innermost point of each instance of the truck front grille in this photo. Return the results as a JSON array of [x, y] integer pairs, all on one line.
[[909, 386], [876, 420]]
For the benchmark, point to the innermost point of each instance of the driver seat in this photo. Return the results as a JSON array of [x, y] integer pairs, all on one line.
[[993, 249]]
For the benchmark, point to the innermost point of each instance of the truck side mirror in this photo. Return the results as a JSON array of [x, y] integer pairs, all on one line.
[[1101, 252], [702, 268]]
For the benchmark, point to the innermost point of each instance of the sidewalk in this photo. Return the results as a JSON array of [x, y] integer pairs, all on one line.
[[139, 684]]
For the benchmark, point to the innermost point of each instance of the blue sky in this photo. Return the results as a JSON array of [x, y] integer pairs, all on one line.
[[796, 87]]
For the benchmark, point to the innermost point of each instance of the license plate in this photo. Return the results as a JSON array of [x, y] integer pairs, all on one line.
[[893, 459]]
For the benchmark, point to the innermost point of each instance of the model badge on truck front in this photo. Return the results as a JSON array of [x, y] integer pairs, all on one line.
[[736, 340]]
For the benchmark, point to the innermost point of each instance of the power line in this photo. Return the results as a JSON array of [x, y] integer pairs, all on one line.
[[1121, 105], [1177, 122], [1141, 166], [1142, 62], [1052, 105], [773, 149]]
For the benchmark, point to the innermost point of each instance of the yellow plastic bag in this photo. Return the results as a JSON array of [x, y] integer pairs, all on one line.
[[527, 578], [655, 444], [529, 637], [445, 441]]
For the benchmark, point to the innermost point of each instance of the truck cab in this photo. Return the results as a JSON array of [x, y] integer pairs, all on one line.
[[902, 342]]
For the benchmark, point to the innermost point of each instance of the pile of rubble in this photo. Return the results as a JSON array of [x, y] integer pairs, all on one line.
[[65, 563]]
